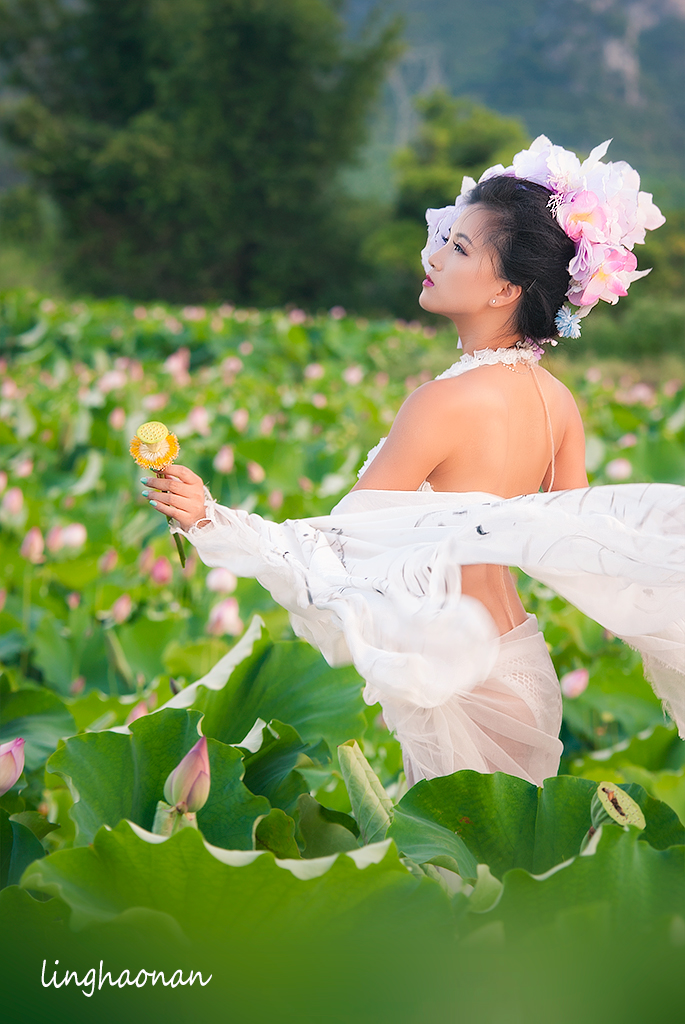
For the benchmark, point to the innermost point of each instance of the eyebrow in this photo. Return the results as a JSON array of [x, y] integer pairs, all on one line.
[[466, 238]]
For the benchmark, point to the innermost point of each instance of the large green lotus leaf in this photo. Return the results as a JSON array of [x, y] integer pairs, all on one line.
[[505, 821], [664, 828], [637, 883], [207, 896], [287, 680], [117, 775], [321, 833], [144, 641], [36, 714], [660, 748], [19, 847], [427, 842], [270, 772]]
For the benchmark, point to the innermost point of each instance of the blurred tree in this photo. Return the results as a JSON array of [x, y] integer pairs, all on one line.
[[192, 146], [455, 137]]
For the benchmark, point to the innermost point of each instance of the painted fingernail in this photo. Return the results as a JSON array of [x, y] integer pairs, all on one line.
[[153, 502], [143, 479], [145, 493]]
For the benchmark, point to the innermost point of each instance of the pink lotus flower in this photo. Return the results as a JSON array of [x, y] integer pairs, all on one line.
[[255, 472], [627, 441], [108, 561], [13, 501], [53, 541], [224, 618], [153, 403], [314, 371], [574, 683], [297, 316], [177, 365], [161, 572], [618, 469], [121, 609], [240, 419], [32, 546], [73, 600], [9, 388], [221, 580], [337, 312], [224, 460], [112, 380], [319, 401], [583, 216], [353, 375], [77, 686], [117, 418], [187, 787], [136, 712], [267, 425], [198, 419], [3, 480], [230, 367], [146, 559], [24, 468], [3, 598], [140, 313], [74, 535], [193, 313], [275, 500], [11, 763]]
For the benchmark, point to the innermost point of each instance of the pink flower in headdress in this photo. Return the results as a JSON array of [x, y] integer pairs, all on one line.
[[582, 216], [612, 274]]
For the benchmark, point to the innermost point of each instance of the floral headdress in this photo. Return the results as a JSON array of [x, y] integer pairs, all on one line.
[[600, 207]]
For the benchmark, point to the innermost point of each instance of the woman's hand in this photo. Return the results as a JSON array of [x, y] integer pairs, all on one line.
[[179, 493]]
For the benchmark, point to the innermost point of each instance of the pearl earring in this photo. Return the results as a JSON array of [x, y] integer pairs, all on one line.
[[493, 301]]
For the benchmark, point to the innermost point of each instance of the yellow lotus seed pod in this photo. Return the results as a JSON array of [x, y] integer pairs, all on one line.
[[152, 432]]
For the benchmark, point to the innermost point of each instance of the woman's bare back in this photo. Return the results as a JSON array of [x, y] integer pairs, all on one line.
[[496, 430]]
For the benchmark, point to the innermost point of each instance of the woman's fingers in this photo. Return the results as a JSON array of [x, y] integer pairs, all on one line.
[[181, 473]]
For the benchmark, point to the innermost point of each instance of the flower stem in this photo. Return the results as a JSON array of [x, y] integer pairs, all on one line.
[[179, 542]]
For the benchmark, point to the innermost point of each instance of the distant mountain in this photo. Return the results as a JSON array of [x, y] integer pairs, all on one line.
[[578, 70]]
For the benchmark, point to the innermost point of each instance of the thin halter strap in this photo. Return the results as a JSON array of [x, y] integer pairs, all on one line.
[[549, 425]]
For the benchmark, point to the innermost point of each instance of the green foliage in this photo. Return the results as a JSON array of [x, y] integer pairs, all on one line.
[[192, 148], [115, 776]]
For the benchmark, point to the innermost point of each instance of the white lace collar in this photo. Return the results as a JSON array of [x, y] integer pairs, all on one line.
[[490, 356]]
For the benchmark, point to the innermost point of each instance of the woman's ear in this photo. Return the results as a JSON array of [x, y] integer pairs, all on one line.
[[509, 293]]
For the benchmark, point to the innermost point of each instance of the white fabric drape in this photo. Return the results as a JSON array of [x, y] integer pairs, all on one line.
[[378, 583]]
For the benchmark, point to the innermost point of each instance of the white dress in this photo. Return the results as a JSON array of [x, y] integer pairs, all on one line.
[[378, 583]]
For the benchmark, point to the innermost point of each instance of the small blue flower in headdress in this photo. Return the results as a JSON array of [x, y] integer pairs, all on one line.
[[567, 323]]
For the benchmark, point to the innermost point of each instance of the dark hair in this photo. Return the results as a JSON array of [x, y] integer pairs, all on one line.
[[531, 249]]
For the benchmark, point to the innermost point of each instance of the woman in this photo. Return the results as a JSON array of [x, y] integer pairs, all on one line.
[[482, 469]]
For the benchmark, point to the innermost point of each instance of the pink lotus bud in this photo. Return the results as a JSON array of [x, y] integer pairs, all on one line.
[[121, 609], [198, 419], [275, 500], [627, 441], [140, 313], [73, 600], [305, 484], [193, 313], [221, 580], [54, 540], [112, 380], [337, 312], [574, 683], [146, 559], [117, 418], [161, 572], [267, 425], [255, 472], [178, 362], [224, 460], [3, 598], [224, 618], [230, 367], [314, 371], [297, 316], [74, 535], [353, 375], [32, 546], [78, 686], [319, 401], [153, 403], [246, 348], [240, 419], [24, 468], [9, 388], [3, 480], [187, 787], [11, 763], [618, 469], [108, 561], [188, 570], [137, 712]]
